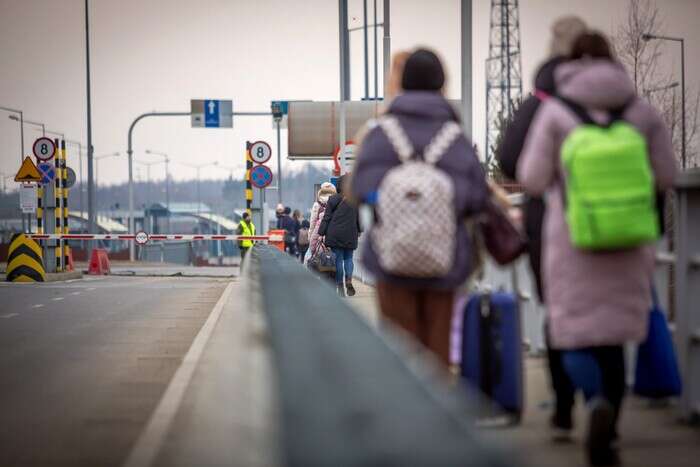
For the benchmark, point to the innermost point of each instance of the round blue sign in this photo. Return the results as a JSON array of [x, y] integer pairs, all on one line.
[[260, 176], [47, 171]]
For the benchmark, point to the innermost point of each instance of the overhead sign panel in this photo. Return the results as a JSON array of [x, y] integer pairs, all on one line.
[[313, 127], [211, 113], [28, 172]]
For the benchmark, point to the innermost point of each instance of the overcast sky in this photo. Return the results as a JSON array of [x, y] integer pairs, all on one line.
[[158, 54]]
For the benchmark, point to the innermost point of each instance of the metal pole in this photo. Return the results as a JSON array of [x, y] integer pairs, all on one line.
[[683, 155], [364, 15], [199, 199], [82, 188], [466, 33], [344, 76], [91, 187], [387, 43], [21, 135], [167, 192], [376, 56], [344, 50], [279, 163]]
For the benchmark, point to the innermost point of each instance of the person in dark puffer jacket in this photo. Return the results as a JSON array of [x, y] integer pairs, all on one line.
[[564, 32], [341, 228]]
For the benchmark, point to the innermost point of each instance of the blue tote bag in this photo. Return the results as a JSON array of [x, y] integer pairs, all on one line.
[[656, 374]]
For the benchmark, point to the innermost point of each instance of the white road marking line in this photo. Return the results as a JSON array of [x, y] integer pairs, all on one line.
[[75, 293], [38, 305], [152, 437], [90, 289], [56, 299], [9, 315]]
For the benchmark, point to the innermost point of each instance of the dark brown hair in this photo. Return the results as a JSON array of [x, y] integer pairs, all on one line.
[[591, 44]]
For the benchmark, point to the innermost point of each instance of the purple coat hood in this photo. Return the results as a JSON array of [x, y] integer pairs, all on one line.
[[422, 114]]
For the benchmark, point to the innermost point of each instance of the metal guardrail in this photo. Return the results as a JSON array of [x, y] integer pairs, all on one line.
[[347, 397]]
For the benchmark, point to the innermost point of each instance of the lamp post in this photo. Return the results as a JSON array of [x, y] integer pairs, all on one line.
[[166, 159], [647, 37], [80, 170], [21, 128], [198, 167], [96, 160]]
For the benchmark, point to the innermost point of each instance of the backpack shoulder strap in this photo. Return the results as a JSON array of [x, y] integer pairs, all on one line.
[[578, 110], [441, 142], [396, 136]]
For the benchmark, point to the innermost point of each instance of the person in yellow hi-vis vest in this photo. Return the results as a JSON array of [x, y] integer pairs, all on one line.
[[245, 227]]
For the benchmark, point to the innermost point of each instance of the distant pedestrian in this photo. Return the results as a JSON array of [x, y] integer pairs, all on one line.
[[286, 223], [340, 228], [597, 281], [317, 211], [296, 217], [247, 228], [564, 32], [417, 272], [303, 239]]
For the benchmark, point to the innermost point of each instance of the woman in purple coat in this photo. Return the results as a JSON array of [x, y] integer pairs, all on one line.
[[422, 307]]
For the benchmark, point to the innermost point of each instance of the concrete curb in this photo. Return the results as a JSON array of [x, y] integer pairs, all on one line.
[[55, 276]]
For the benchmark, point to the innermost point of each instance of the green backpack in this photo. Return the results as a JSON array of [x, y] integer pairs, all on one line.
[[610, 192]]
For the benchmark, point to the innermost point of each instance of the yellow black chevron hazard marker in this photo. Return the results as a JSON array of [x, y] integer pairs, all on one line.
[[24, 262]]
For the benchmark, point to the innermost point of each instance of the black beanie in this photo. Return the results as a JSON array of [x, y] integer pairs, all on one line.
[[423, 72]]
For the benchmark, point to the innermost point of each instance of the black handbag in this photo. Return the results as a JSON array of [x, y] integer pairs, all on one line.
[[323, 259]]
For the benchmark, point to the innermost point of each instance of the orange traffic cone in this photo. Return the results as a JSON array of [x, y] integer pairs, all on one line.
[[99, 262]]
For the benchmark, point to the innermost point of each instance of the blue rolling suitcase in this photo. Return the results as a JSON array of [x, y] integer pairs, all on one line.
[[492, 350]]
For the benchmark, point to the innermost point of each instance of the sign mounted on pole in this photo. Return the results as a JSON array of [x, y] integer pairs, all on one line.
[[44, 148], [211, 113], [141, 237], [70, 177], [27, 198], [47, 171], [261, 176], [28, 172], [260, 152]]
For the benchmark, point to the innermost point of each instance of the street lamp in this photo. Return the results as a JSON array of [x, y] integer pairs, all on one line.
[[21, 128], [97, 165], [80, 170], [44, 131], [166, 159], [647, 37], [198, 167]]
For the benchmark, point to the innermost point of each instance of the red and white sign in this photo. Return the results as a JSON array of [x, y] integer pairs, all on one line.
[[260, 152], [141, 237], [44, 148]]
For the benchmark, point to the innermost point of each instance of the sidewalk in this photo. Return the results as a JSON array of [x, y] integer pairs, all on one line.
[[650, 436]]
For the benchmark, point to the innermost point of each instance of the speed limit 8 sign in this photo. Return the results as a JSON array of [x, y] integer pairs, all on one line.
[[44, 148], [260, 152]]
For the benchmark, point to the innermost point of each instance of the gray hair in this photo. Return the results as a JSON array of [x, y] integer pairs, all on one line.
[[565, 31]]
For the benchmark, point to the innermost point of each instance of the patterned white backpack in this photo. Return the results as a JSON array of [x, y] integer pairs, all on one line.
[[415, 232]]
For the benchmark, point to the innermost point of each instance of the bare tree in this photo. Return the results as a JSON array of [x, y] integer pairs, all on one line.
[[642, 60]]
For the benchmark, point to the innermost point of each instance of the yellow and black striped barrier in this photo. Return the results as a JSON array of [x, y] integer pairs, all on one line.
[[248, 184], [24, 263]]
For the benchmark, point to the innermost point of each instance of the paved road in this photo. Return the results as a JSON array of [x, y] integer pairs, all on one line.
[[83, 364]]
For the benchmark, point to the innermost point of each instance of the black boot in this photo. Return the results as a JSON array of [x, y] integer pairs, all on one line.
[[351, 289], [601, 430]]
